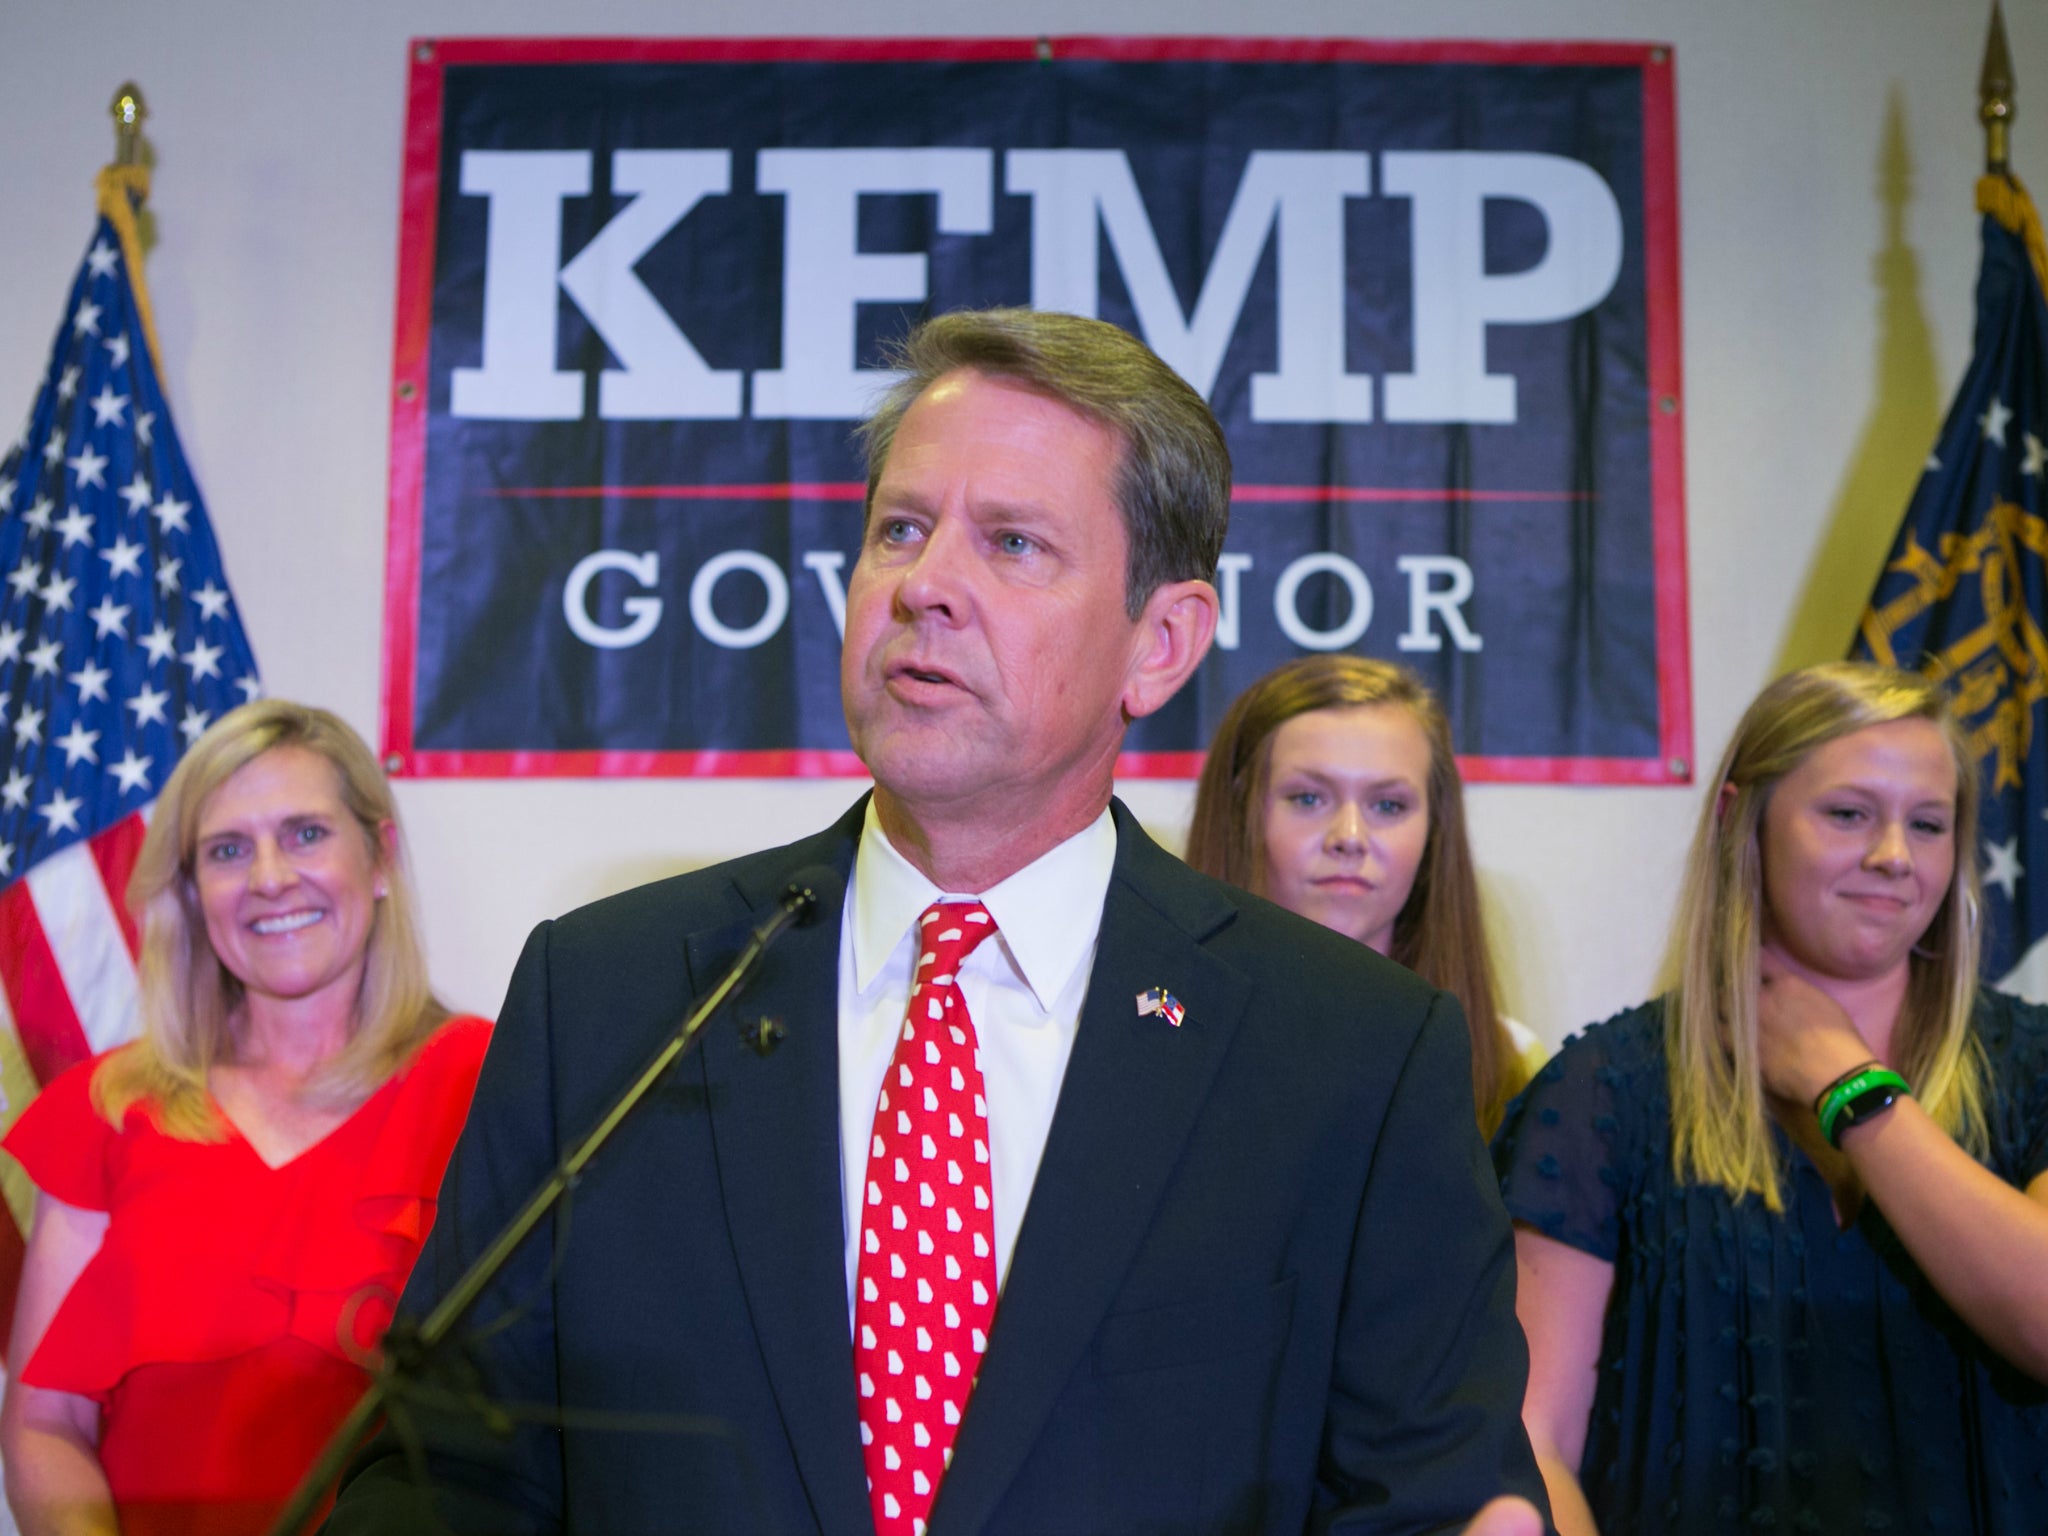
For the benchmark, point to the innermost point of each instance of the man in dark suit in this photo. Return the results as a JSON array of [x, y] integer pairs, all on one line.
[[1177, 1222]]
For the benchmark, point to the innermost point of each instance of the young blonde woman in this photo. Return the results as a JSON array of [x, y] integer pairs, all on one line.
[[1782, 1235], [228, 1207], [1332, 789]]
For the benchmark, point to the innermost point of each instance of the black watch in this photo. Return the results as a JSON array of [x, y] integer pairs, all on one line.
[[1867, 1105]]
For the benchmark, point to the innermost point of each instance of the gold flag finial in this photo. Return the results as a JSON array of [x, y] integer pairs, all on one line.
[[1994, 95], [120, 189], [128, 109]]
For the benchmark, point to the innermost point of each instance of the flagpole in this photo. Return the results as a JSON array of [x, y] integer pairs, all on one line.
[[1999, 192], [122, 187], [128, 110], [1994, 96]]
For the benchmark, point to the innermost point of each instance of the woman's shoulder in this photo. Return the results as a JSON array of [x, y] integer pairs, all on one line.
[[1582, 1133], [1621, 1046], [2014, 1035], [1608, 1080], [1617, 1061], [434, 1088], [70, 1091], [63, 1142], [67, 1099], [448, 1059], [2009, 1024], [457, 1043]]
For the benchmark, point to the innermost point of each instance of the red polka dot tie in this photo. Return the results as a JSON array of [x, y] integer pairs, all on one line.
[[927, 1276]]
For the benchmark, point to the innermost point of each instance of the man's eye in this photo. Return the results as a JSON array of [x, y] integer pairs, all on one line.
[[1016, 543]]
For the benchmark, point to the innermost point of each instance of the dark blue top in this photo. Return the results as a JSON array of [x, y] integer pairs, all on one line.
[[1763, 1372]]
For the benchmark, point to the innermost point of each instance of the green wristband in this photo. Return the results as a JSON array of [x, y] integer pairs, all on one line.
[[1868, 1064], [1856, 1098]]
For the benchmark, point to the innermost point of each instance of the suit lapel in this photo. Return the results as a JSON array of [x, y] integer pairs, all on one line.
[[1133, 1089], [775, 1129]]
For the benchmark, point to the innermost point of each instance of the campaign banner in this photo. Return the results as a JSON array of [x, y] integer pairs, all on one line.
[[646, 287]]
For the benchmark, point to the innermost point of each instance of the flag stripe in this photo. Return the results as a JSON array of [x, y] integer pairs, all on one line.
[[47, 1023], [94, 960], [114, 850]]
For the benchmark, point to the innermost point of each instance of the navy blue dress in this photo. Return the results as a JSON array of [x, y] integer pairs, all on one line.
[[1763, 1372]]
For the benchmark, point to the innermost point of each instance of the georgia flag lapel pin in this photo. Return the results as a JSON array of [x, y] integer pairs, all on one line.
[[1162, 1002]]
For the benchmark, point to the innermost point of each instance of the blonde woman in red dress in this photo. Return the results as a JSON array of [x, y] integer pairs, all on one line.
[[228, 1206]]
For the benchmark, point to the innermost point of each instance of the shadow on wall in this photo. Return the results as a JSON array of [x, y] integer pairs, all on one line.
[[1905, 417], [1525, 945]]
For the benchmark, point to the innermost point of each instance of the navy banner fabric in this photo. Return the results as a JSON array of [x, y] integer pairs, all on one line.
[[1430, 291]]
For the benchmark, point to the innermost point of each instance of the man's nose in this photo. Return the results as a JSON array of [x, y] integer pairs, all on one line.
[[934, 581]]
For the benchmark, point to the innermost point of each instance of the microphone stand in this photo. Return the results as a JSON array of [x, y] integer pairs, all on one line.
[[409, 1348]]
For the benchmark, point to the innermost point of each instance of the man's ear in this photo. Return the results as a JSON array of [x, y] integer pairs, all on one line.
[[1174, 632]]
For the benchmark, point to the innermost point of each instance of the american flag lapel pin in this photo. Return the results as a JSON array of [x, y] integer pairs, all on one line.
[[1162, 1002]]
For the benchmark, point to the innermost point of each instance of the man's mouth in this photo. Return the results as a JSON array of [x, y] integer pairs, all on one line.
[[925, 675]]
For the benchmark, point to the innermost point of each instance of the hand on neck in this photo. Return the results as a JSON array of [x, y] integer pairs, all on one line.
[[1873, 1004]]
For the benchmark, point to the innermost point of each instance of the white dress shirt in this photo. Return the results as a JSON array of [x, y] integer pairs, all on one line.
[[1023, 990]]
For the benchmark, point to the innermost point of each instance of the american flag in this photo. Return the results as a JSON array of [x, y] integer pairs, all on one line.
[[119, 644], [1162, 1002]]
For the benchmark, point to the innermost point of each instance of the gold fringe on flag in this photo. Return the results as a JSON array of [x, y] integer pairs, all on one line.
[[2006, 200], [122, 188]]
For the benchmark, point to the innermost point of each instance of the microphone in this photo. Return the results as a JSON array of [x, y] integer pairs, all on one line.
[[809, 891]]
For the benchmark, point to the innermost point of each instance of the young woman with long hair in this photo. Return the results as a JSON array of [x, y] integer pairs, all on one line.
[[1782, 1234], [1331, 788]]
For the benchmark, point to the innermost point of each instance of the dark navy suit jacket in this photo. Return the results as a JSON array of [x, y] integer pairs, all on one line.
[[1264, 1282]]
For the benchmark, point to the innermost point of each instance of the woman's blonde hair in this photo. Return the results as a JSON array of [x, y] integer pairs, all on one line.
[[1440, 932], [1719, 1120], [190, 1003]]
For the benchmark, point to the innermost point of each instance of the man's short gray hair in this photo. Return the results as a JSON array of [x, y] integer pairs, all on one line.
[[1174, 485]]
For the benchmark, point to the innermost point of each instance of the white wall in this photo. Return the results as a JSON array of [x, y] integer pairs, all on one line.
[[1816, 368]]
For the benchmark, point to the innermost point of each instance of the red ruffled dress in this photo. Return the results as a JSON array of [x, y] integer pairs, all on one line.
[[221, 1323]]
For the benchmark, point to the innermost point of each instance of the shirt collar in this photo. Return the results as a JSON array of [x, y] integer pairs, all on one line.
[[1046, 914]]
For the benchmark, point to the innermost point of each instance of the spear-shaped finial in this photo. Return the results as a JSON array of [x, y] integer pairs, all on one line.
[[128, 112], [1994, 95]]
